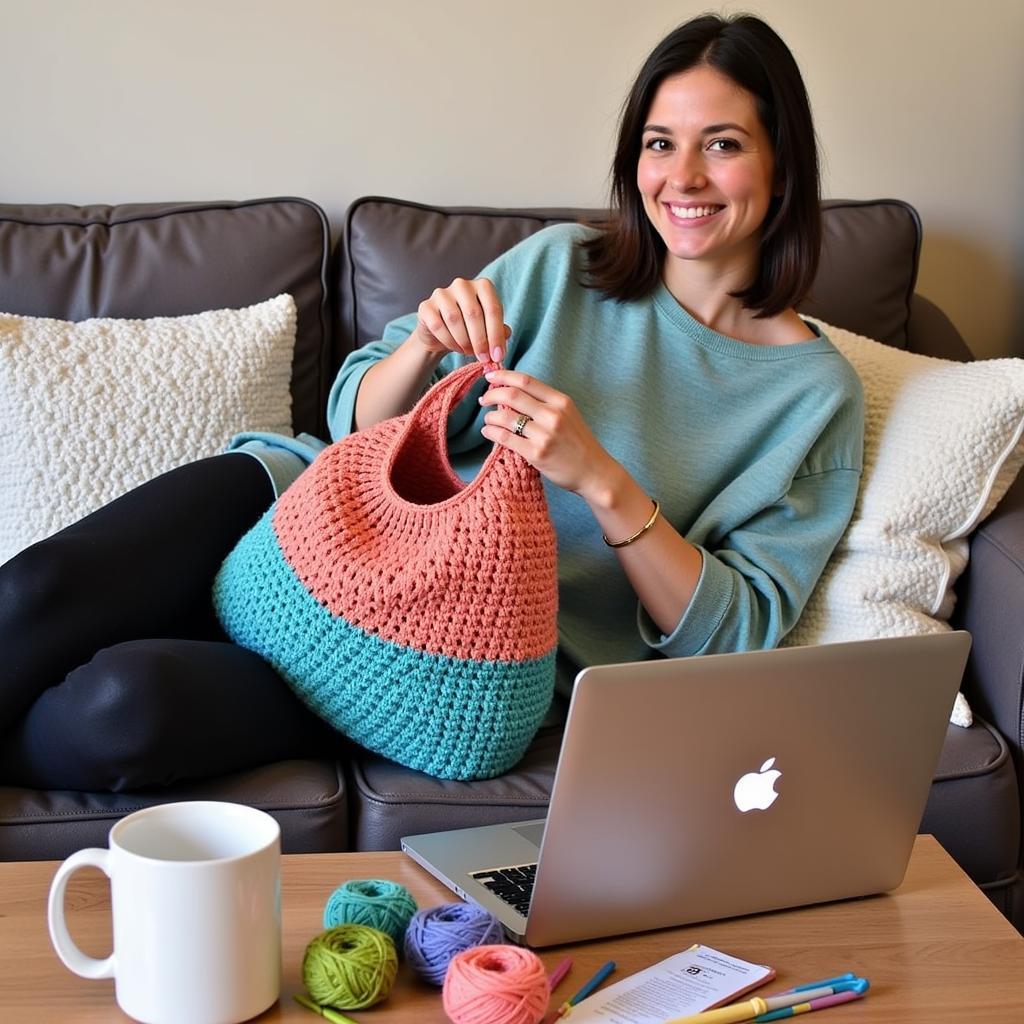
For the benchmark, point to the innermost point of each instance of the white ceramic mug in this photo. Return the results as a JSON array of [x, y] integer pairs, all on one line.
[[195, 893]]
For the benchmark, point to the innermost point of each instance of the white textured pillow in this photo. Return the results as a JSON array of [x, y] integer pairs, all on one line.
[[89, 410], [942, 444]]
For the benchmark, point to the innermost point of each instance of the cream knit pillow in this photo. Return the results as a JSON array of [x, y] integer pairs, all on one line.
[[942, 444], [89, 410]]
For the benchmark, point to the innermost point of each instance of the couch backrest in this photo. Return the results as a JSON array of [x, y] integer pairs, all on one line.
[[393, 253], [172, 259]]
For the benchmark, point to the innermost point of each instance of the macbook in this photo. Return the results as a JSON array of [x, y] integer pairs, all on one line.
[[692, 789]]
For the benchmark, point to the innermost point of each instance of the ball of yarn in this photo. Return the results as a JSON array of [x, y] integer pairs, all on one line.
[[375, 902], [436, 935], [350, 966], [496, 985]]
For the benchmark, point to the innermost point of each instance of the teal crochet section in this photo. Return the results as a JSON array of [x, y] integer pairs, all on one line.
[[449, 717]]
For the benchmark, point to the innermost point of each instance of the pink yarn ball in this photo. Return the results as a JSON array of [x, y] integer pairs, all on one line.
[[496, 985]]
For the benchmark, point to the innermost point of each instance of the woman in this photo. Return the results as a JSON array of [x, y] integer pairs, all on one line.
[[657, 374], [700, 445]]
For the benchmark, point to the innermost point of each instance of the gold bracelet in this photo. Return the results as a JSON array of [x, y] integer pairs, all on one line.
[[639, 533]]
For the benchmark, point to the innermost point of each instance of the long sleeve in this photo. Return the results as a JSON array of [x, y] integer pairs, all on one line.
[[755, 582]]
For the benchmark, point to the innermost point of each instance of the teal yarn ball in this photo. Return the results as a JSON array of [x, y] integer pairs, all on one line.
[[374, 902]]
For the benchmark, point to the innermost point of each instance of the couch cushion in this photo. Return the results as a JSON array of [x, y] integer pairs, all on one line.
[[133, 399], [307, 798], [389, 801], [170, 259], [869, 259], [942, 444], [394, 253]]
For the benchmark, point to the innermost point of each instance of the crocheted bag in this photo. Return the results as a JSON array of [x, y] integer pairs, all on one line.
[[412, 611]]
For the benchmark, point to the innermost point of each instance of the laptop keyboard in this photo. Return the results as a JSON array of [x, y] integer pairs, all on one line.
[[514, 885]]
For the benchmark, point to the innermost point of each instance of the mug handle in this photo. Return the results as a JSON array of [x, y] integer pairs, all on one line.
[[74, 959]]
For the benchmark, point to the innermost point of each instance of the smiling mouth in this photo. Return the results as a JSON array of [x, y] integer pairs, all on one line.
[[694, 212]]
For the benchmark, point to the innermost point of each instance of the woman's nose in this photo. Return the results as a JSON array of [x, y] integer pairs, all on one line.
[[688, 174]]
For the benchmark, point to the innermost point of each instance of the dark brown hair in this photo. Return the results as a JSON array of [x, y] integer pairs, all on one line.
[[625, 260]]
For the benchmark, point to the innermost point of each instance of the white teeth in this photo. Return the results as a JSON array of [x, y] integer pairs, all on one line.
[[692, 212]]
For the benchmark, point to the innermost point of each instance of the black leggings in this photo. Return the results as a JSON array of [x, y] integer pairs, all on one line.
[[115, 674]]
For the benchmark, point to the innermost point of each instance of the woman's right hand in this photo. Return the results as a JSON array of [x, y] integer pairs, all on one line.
[[465, 317]]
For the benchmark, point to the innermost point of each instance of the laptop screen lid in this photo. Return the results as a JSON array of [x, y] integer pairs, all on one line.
[[700, 788]]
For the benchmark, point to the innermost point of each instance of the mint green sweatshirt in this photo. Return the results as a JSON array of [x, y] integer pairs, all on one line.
[[754, 452]]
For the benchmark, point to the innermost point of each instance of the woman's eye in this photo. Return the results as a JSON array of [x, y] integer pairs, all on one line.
[[724, 145], [658, 145]]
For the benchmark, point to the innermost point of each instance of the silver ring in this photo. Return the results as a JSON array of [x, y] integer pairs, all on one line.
[[521, 422]]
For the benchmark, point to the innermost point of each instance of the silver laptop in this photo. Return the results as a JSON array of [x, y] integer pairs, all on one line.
[[693, 789]]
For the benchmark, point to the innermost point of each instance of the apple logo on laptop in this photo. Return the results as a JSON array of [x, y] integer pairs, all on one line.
[[757, 789]]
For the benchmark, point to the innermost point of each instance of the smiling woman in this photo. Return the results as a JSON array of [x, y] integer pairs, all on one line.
[[654, 365], [717, 105], [706, 178]]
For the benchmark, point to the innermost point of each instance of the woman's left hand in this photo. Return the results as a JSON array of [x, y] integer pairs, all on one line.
[[554, 438]]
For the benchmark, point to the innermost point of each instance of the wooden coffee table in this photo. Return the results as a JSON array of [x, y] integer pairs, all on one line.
[[935, 950]]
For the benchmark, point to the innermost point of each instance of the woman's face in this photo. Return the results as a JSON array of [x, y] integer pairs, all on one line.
[[706, 172]]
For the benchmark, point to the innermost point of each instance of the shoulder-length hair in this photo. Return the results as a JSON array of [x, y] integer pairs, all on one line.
[[625, 260]]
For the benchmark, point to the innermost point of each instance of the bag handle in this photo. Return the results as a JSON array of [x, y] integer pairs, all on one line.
[[434, 408], [431, 412], [423, 443]]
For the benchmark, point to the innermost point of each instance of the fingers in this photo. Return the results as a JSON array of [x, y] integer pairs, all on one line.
[[465, 317], [506, 415], [508, 387], [546, 428], [516, 408], [515, 430]]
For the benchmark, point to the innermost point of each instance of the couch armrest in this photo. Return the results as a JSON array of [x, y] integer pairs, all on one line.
[[991, 606]]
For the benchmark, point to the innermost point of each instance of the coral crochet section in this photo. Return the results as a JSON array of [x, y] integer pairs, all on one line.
[[463, 570]]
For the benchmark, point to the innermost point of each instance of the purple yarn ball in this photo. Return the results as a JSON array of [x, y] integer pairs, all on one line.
[[438, 934]]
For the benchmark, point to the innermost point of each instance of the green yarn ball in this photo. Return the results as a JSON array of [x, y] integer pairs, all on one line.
[[350, 966], [375, 902]]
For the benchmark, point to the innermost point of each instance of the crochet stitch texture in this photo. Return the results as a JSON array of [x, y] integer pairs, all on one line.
[[414, 612]]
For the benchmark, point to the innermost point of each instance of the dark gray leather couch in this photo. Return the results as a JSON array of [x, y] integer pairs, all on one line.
[[75, 262]]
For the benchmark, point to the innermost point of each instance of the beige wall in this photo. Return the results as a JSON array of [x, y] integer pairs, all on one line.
[[452, 101]]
